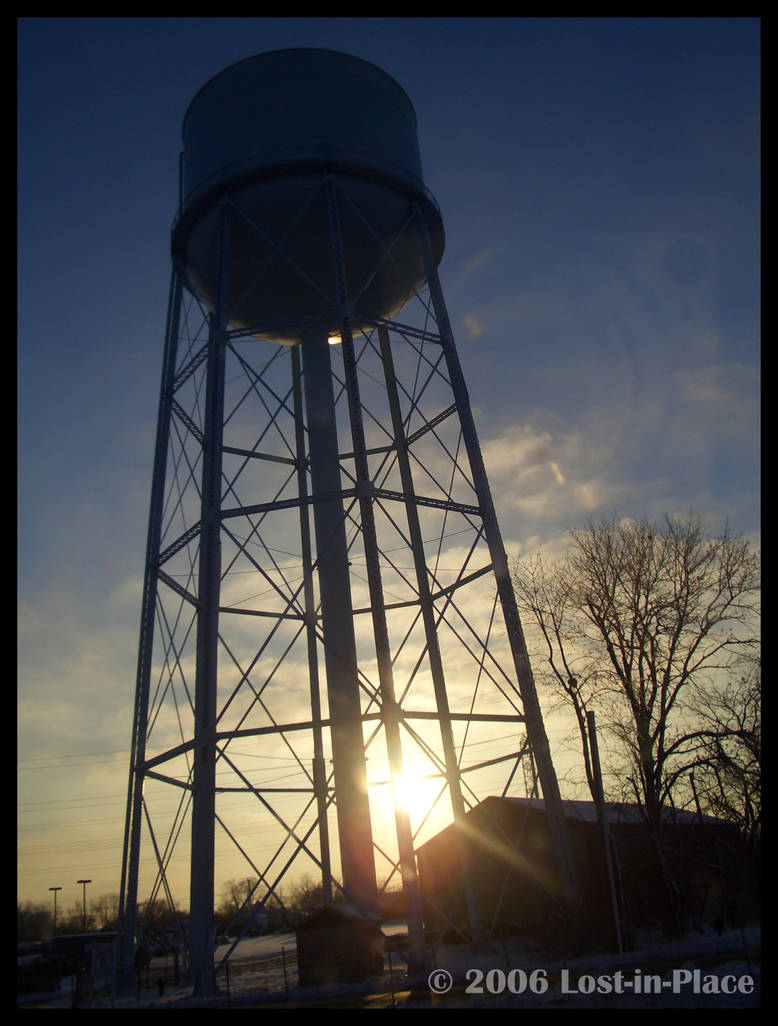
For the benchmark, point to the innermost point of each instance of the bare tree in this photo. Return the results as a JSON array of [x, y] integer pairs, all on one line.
[[236, 894], [725, 757], [105, 911], [237, 902], [647, 622], [33, 921], [569, 671], [305, 894]]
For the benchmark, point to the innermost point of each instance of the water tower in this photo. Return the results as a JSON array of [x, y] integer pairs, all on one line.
[[328, 624]]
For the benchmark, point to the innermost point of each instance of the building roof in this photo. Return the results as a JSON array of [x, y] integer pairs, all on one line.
[[326, 916], [616, 812], [619, 814]]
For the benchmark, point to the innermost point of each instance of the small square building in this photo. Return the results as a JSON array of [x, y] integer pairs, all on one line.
[[336, 945]]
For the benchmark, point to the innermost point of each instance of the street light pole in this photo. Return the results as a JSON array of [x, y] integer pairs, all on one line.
[[84, 882], [55, 889]]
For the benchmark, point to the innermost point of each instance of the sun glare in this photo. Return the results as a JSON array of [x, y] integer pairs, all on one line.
[[416, 793]]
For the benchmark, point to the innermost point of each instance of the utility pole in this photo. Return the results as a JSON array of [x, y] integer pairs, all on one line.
[[603, 825], [55, 889], [84, 882]]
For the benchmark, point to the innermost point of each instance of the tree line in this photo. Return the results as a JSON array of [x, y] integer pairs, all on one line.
[[235, 911]]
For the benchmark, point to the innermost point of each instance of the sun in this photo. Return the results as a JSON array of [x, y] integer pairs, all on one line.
[[416, 792]]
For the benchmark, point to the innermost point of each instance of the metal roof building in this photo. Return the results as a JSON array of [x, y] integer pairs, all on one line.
[[702, 874]]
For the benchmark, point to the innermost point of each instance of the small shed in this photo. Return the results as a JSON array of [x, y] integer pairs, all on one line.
[[336, 945]]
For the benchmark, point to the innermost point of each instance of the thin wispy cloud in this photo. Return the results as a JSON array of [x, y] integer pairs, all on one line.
[[472, 325]]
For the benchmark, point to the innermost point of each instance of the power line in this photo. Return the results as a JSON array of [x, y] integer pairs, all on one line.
[[73, 755]]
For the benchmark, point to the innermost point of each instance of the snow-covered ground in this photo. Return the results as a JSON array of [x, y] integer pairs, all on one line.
[[250, 949], [696, 971], [689, 973]]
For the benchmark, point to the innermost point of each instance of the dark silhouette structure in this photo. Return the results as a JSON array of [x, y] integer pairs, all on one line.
[[326, 590], [704, 865]]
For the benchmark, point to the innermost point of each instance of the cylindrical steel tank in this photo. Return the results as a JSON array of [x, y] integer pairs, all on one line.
[[266, 131]]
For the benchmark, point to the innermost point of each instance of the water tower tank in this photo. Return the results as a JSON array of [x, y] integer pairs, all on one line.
[[266, 131]]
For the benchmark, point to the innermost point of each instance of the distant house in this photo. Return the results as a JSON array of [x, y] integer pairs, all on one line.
[[260, 920], [516, 888], [86, 958]]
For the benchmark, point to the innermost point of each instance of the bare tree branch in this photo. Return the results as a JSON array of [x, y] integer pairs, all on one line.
[[651, 622]]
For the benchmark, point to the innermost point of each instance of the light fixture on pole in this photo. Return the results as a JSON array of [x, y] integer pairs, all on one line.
[[55, 889], [84, 882]]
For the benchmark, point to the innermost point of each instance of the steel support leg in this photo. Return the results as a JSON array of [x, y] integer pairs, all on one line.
[[319, 767], [201, 923], [430, 629], [128, 896], [533, 717], [340, 654], [391, 713]]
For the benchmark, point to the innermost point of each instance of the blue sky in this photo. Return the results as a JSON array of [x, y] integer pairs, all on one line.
[[599, 181]]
